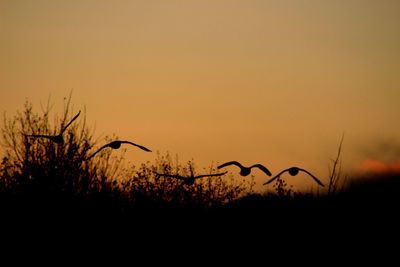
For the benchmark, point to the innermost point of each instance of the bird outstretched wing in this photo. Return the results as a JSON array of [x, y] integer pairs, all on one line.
[[230, 163], [139, 146], [176, 176], [303, 170], [312, 176], [210, 175], [275, 177], [189, 178], [263, 168], [98, 150], [40, 135], [69, 123], [55, 138]]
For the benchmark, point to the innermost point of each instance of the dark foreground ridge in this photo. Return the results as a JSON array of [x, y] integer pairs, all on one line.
[[373, 203], [364, 218]]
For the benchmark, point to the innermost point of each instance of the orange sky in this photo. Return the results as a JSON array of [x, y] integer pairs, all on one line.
[[272, 82]]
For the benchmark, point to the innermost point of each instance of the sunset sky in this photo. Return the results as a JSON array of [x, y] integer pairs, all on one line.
[[271, 82]]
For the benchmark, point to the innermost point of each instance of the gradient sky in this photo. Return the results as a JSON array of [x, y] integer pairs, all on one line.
[[272, 82]]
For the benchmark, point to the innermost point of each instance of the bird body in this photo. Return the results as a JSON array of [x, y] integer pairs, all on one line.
[[189, 180], [244, 171], [117, 144], [293, 171]]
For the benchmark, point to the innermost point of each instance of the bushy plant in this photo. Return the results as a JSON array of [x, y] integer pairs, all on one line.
[[37, 165], [146, 185]]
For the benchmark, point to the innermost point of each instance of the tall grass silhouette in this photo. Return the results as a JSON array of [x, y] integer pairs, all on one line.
[[337, 180]]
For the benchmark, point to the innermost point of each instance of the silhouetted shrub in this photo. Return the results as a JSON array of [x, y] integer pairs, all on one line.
[[145, 185], [39, 165]]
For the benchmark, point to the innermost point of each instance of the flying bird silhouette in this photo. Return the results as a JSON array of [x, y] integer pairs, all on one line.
[[293, 171], [117, 144], [58, 139], [244, 171], [189, 180]]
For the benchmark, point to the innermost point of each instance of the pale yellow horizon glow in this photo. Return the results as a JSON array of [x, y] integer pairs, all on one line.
[[271, 82]]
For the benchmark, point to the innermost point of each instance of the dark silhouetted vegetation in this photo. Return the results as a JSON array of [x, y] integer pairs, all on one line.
[[39, 174], [40, 177]]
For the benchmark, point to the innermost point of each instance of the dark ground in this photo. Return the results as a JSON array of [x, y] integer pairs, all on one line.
[[360, 222], [368, 203]]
